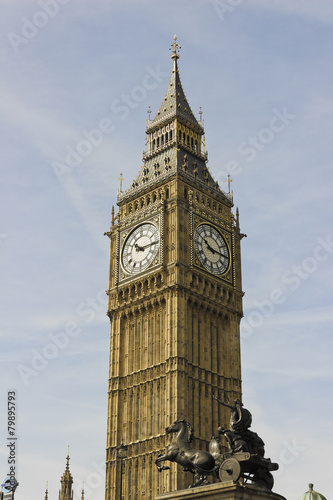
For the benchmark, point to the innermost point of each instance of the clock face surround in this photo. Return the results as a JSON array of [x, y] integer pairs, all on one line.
[[212, 249], [140, 248]]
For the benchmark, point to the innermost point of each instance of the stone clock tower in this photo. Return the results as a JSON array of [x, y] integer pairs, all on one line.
[[175, 302]]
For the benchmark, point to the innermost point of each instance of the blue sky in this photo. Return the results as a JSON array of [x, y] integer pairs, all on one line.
[[79, 76]]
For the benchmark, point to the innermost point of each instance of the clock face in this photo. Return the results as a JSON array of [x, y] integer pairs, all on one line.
[[211, 249], [140, 248]]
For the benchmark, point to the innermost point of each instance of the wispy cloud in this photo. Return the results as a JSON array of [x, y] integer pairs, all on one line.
[[321, 10]]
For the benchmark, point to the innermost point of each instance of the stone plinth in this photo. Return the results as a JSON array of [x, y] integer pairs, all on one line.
[[219, 491]]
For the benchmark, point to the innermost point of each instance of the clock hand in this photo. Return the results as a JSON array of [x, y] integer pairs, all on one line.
[[142, 249], [212, 249], [149, 244]]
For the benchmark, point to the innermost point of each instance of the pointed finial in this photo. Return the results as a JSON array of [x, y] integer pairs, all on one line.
[[175, 48], [201, 113], [67, 459], [121, 179], [229, 181], [82, 492], [149, 113], [47, 491]]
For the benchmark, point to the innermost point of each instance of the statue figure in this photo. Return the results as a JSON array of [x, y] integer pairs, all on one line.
[[195, 168], [239, 438], [185, 163], [246, 446]]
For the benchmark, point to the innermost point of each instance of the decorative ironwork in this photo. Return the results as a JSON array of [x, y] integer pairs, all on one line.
[[175, 48]]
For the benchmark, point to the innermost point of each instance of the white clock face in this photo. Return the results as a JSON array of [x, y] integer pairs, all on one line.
[[211, 249], [140, 248]]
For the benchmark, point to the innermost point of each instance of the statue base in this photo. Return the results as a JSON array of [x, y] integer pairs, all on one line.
[[221, 491]]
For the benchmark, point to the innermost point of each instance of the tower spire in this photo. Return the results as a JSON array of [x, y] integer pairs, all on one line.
[[66, 492], [47, 491], [174, 142]]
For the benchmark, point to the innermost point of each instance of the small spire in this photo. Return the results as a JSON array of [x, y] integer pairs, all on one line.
[[47, 491], [229, 181], [66, 481], [201, 113], [175, 48], [121, 179], [149, 113], [82, 492]]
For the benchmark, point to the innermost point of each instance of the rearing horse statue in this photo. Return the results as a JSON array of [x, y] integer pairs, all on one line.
[[199, 463]]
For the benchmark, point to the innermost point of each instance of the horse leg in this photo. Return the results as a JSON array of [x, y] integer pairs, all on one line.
[[199, 479], [162, 458]]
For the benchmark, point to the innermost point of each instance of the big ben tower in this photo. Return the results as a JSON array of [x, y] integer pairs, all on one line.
[[174, 302]]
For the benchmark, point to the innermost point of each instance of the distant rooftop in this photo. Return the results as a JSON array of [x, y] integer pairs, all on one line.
[[312, 495]]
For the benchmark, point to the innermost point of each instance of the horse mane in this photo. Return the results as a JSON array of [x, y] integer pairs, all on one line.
[[190, 430]]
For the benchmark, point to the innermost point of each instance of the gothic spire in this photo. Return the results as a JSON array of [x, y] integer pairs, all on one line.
[[175, 143], [66, 493], [175, 103]]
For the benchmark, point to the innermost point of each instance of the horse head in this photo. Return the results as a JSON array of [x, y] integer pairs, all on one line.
[[183, 428], [175, 427]]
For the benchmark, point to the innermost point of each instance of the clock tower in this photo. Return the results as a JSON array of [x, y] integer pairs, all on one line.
[[174, 302]]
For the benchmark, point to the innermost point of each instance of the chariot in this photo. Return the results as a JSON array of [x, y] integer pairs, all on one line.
[[249, 467]]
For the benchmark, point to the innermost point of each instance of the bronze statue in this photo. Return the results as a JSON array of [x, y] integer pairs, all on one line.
[[245, 458]]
